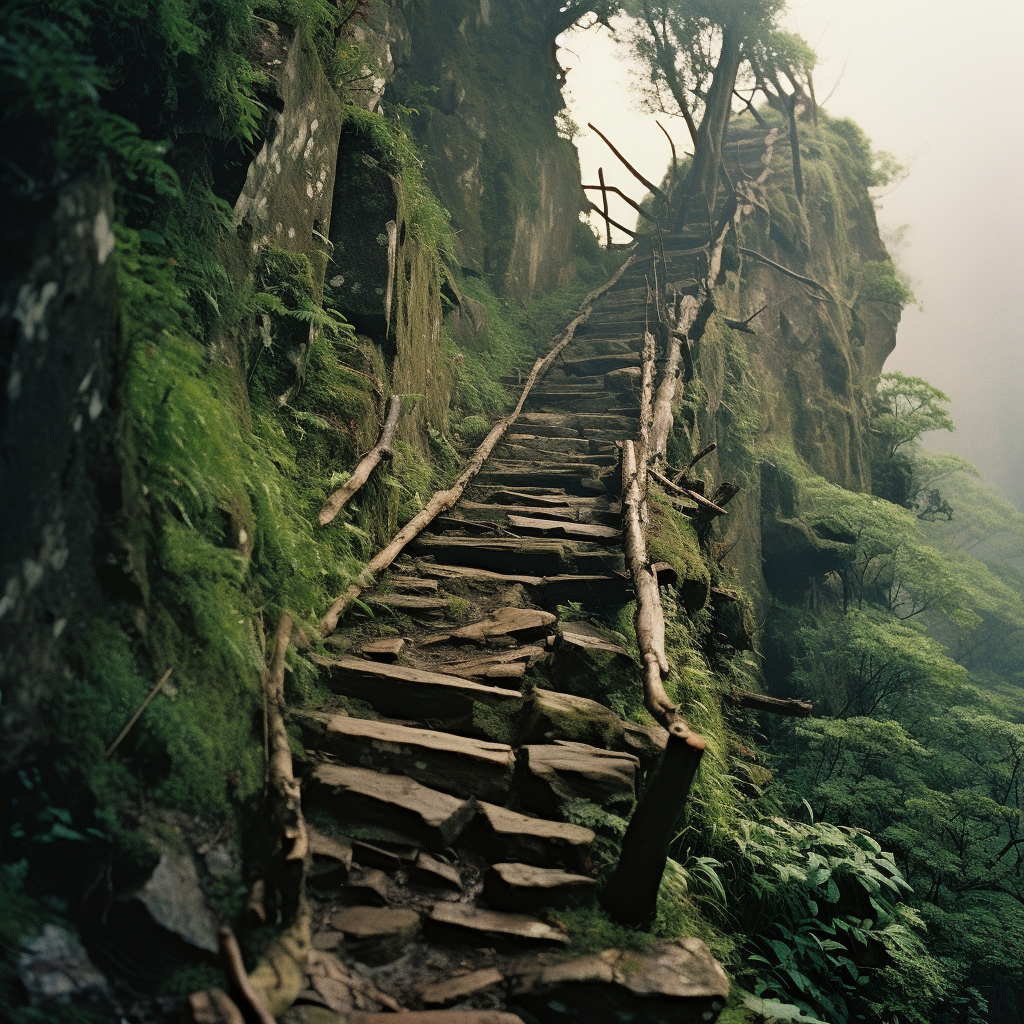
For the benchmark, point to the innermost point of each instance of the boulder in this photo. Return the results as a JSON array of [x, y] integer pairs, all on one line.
[[55, 965]]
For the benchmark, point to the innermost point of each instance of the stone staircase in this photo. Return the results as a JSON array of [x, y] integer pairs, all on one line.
[[438, 777]]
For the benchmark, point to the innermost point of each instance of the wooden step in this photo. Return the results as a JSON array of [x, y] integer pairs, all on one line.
[[407, 602], [601, 364], [551, 591], [529, 556], [359, 796], [409, 693], [453, 764], [536, 527]]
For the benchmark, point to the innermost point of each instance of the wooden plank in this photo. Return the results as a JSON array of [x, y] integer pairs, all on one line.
[[544, 527]]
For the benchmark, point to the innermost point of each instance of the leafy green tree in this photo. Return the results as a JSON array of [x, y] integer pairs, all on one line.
[[907, 407]]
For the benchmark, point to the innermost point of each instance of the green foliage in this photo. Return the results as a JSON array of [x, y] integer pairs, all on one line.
[[907, 407], [880, 282]]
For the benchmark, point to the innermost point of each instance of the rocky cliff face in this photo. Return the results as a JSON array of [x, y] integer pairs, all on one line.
[[485, 85]]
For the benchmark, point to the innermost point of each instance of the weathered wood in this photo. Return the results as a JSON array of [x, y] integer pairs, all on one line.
[[662, 414], [761, 258], [604, 203], [743, 326], [444, 500], [287, 794], [643, 443], [687, 493], [632, 893], [366, 465], [386, 649], [544, 527], [503, 622], [240, 985], [772, 705], [651, 187], [138, 714], [622, 195], [611, 223], [408, 602]]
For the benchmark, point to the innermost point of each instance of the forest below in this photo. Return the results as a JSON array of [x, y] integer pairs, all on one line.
[[197, 349]]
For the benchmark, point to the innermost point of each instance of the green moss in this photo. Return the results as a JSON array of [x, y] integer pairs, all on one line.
[[671, 538]]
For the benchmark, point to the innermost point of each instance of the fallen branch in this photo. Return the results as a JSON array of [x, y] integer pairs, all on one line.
[[771, 705], [138, 714], [651, 187], [444, 500], [703, 453], [366, 465], [604, 204], [687, 493], [672, 145], [241, 987]]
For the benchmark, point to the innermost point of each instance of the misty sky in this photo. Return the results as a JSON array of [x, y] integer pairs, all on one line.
[[937, 83]]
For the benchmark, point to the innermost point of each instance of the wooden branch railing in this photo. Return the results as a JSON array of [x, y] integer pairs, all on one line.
[[622, 195], [366, 465], [651, 187], [613, 223], [444, 500]]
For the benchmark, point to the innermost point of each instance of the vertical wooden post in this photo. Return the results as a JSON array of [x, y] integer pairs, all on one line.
[[604, 200], [632, 894]]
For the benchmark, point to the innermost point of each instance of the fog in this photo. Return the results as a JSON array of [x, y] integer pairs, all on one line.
[[936, 83]]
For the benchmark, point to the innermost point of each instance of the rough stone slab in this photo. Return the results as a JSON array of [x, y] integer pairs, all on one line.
[[372, 888], [672, 983], [413, 584], [453, 764], [408, 602], [499, 924], [330, 859], [430, 871], [371, 855], [401, 692], [574, 638], [551, 774], [358, 795], [376, 935], [387, 649], [433, 1017], [526, 887], [537, 556], [453, 989], [513, 670], [507, 836]]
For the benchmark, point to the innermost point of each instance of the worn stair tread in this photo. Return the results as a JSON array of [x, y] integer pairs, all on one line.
[[553, 773], [455, 764], [613, 582], [360, 795], [434, 873], [496, 923], [412, 583], [407, 602], [501, 622], [540, 556], [544, 498], [385, 649], [588, 531], [525, 887], [430, 1017], [409, 692], [577, 638], [450, 990], [519, 654], [509, 836]]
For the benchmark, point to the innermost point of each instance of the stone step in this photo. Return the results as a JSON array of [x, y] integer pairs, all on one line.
[[424, 1017], [669, 983], [524, 887], [453, 764], [578, 420], [580, 480], [517, 622], [451, 990], [504, 836], [409, 693], [359, 796], [507, 452], [566, 445], [542, 498], [411, 603], [601, 364], [481, 924], [550, 591], [385, 649], [376, 935], [548, 775], [486, 512]]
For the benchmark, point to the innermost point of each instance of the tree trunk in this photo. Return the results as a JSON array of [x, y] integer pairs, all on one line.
[[700, 188]]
